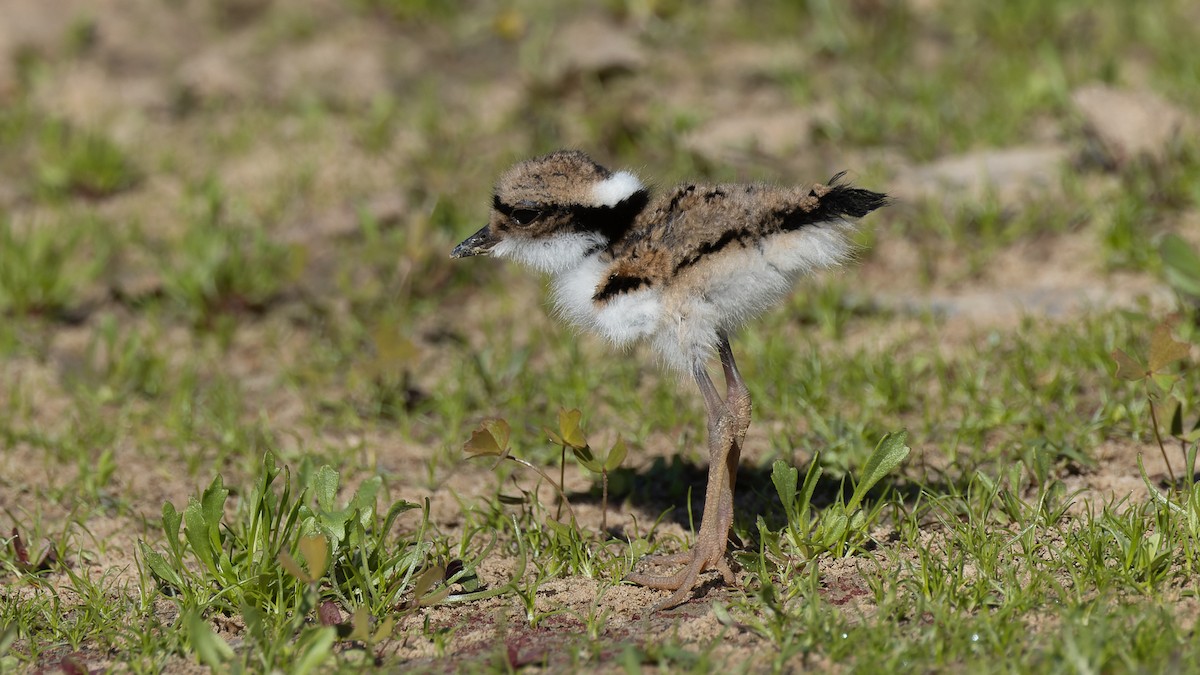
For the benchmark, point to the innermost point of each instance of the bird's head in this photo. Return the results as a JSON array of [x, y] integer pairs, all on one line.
[[553, 211]]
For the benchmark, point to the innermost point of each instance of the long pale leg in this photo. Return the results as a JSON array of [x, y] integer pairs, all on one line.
[[727, 424], [737, 401]]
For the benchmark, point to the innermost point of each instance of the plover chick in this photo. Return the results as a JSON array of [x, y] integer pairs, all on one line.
[[681, 271]]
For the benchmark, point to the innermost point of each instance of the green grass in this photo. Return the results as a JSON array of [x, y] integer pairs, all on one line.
[[63, 161], [45, 267], [255, 459]]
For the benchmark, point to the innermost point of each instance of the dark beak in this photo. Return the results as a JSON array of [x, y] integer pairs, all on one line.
[[480, 242]]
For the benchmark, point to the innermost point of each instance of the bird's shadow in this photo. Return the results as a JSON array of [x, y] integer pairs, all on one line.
[[664, 486]]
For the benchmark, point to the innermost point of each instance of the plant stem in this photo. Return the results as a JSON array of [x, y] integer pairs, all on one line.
[[562, 479], [603, 502], [558, 488], [1157, 437]]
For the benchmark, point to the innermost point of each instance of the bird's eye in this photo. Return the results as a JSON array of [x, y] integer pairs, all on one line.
[[525, 216]]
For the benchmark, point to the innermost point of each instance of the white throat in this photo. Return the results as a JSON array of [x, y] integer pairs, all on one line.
[[554, 254]]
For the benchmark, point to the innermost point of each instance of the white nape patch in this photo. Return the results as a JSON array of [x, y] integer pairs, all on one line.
[[615, 189], [553, 254]]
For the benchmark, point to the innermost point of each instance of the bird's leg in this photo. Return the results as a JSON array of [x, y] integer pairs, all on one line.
[[727, 422], [737, 402], [737, 396]]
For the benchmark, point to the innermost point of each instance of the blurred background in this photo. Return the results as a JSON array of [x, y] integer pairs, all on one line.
[[339, 147]]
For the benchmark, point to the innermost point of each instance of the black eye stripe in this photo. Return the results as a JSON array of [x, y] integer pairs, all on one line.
[[501, 206], [525, 216], [523, 213]]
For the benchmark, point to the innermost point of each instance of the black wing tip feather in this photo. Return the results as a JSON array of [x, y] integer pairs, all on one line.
[[845, 200], [840, 202]]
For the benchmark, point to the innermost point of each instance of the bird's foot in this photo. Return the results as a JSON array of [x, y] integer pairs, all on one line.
[[706, 554]]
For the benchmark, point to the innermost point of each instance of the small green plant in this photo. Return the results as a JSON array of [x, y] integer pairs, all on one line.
[[247, 563], [570, 435], [556, 547], [526, 589], [595, 621], [1158, 384], [842, 526], [491, 439], [603, 466]]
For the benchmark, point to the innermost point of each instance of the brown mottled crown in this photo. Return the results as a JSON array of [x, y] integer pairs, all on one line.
[[558, 193], [535, 197], [561, 177]]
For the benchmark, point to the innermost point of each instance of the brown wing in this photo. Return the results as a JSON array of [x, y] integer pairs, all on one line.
[[681, 227]]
